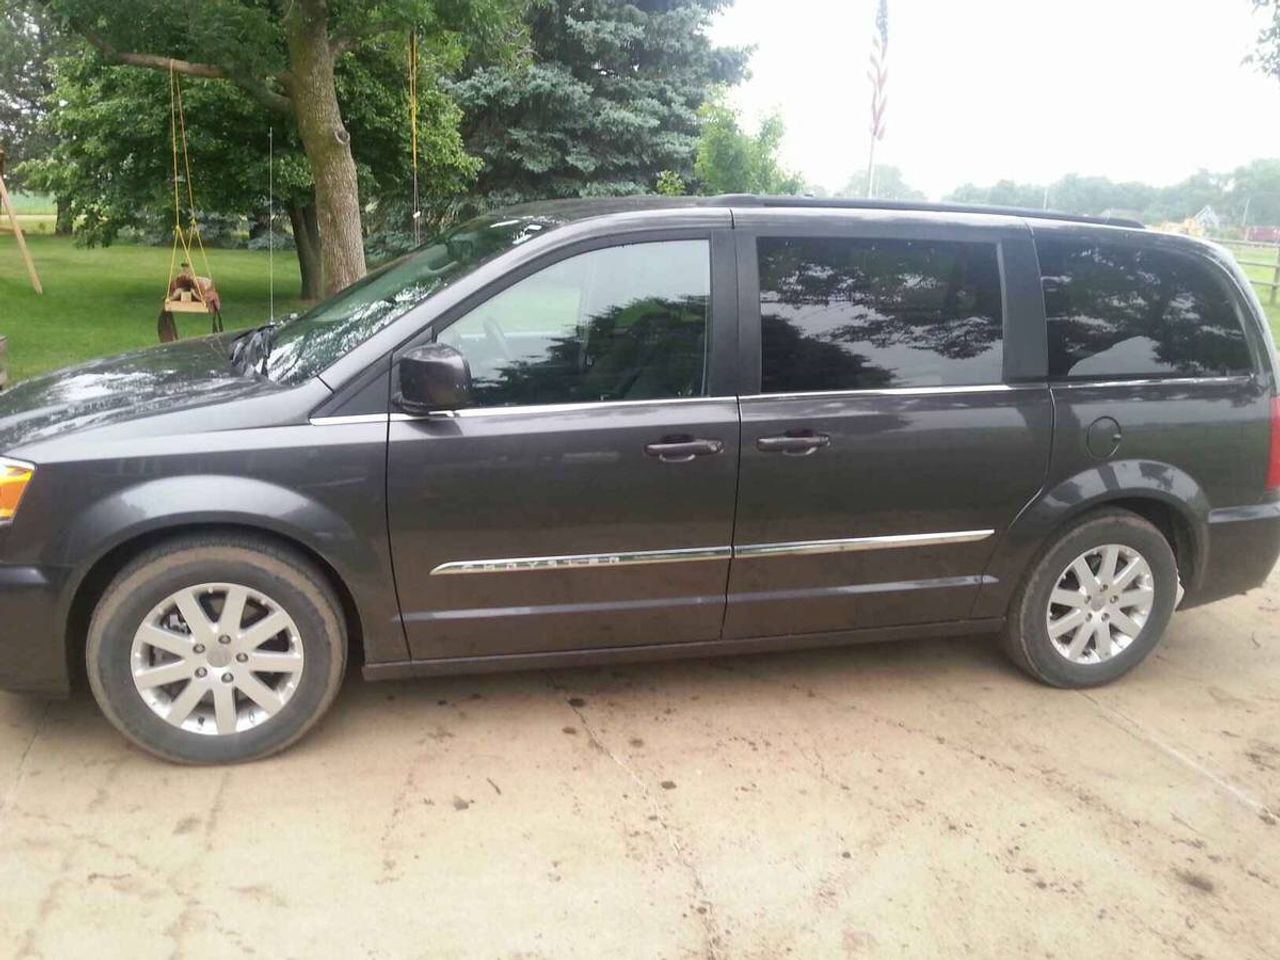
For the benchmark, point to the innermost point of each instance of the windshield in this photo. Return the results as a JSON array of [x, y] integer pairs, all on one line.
[[302, 347]]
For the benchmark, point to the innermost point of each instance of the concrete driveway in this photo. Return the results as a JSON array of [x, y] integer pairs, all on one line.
[[916, 799]]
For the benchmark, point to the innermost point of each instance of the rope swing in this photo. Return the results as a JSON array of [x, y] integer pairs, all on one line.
[[413, 133], [185, 292]]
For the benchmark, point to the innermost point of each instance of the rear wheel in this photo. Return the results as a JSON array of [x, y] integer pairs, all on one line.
[[216, 649], [1096, 602]]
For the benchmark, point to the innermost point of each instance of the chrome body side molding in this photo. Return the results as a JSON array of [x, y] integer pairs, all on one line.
[[581, 560], [687, 555], [855, 544]]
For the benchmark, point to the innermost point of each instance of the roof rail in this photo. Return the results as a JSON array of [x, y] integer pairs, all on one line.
[[754, 200]]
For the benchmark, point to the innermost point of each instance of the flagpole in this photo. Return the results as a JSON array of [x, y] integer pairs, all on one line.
[[878, 75], [871, 169]]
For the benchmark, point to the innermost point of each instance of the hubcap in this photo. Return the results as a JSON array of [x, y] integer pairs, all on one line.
[[1100, 604], [217, 658]]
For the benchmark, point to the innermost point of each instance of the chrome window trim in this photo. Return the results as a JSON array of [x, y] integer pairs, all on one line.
[[896, 392], [470, 412], [689, 554], [349, 419], [582, 560], [1152, 381], [797, 548]]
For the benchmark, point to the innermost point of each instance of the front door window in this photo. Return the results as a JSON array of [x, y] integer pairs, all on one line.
[[621, 323]]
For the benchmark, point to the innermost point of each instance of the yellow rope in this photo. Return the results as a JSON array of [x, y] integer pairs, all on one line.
[[178, 125], [177, 203], [413, 130]]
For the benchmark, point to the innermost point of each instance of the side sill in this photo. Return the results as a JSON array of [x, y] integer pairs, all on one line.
[[499, 663]]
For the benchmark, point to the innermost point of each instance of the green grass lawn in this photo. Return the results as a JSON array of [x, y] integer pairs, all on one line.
[[36, 213], [105, 300], [1262, 273], [32, 203]]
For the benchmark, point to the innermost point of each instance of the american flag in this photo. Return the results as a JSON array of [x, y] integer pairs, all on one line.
[[879, 72]]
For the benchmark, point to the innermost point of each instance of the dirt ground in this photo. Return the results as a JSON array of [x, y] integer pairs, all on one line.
[[919, 799]]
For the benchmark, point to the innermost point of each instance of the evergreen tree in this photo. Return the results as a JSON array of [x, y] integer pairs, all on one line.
[[607, 102]]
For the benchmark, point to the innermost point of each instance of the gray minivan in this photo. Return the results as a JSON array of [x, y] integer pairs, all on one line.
[[598, 430]]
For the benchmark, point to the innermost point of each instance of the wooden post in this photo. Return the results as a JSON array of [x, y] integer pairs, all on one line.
[[17, 232], [4, 367], [1275, 275]]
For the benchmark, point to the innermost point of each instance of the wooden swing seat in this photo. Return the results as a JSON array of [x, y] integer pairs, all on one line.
[[186, 306]]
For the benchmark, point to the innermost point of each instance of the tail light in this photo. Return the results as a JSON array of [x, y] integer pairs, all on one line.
[[1273, 471], [14, 477]]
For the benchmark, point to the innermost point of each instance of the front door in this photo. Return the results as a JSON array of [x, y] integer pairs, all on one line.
[[901, 419], [586, 498]]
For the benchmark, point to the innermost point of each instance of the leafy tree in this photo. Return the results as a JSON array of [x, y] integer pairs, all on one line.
[[670, 184], [1266, 56], [1254, 194], [732, 160], [1004, 193], [113, 159], [889, 185], [29, 42], [286, 56], [607, 101]]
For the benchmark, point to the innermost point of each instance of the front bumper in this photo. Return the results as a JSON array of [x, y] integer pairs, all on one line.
[[32, 631]]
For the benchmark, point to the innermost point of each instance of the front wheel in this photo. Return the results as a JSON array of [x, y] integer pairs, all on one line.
[[216, 649], [1096, 602]]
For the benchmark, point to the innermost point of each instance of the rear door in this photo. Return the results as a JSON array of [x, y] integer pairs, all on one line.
[[586, 498], [896, 418]]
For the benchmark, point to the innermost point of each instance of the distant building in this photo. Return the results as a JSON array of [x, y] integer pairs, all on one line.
[[1263, 234], [1207, 219]]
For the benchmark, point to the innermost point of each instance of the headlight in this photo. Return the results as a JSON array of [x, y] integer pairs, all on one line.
[[14, 477]]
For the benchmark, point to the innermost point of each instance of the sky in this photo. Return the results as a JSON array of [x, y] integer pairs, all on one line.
[[1027, 90]]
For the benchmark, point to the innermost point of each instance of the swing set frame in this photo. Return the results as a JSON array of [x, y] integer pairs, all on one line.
[[12, 214]]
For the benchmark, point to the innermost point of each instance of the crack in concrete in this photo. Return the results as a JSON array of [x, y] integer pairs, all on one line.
[[1136, 730], [710, 926], [20, 773]]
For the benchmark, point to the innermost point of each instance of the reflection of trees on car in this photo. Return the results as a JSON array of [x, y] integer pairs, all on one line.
[[1099, 297], [941, 298], [651, 348], [798, 362]]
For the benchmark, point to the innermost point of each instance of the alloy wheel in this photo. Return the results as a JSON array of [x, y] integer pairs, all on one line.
[[1100, 603], [217, 658]]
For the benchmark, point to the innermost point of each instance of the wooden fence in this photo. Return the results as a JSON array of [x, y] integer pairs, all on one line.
[[1264, 255]]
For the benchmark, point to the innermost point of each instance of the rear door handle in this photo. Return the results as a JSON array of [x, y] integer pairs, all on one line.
[[682, 449], [795, 443]]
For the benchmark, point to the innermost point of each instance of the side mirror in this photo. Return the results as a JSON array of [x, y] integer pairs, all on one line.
[[434, 377]]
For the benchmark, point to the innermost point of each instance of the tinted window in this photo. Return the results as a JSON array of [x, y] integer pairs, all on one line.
[[1117, 312], [623, 323], [845, 314]]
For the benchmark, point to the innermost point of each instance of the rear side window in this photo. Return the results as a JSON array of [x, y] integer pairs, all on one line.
[[862, 314], [1119, 312]]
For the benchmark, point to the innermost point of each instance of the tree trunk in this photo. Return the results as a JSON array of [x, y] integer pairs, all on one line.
[[326, 142], [306, 241], [62, 223]]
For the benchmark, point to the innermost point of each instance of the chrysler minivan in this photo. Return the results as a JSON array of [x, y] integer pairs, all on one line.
[[580, 431]]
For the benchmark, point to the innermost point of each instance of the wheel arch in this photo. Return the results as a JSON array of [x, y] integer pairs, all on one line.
[[97, 577], [1165, 496]]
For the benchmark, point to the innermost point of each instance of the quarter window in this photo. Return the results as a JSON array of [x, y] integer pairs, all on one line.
[[1117, 312], [859, 314], [622, 323]]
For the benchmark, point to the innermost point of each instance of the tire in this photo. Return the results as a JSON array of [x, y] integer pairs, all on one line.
[[196, 702], [1035, 613]]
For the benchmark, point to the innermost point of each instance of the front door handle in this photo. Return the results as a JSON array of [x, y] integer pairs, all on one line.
[[682, 449], [795, 443]]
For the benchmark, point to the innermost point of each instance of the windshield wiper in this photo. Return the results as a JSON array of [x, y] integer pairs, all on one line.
[[252, 349]]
